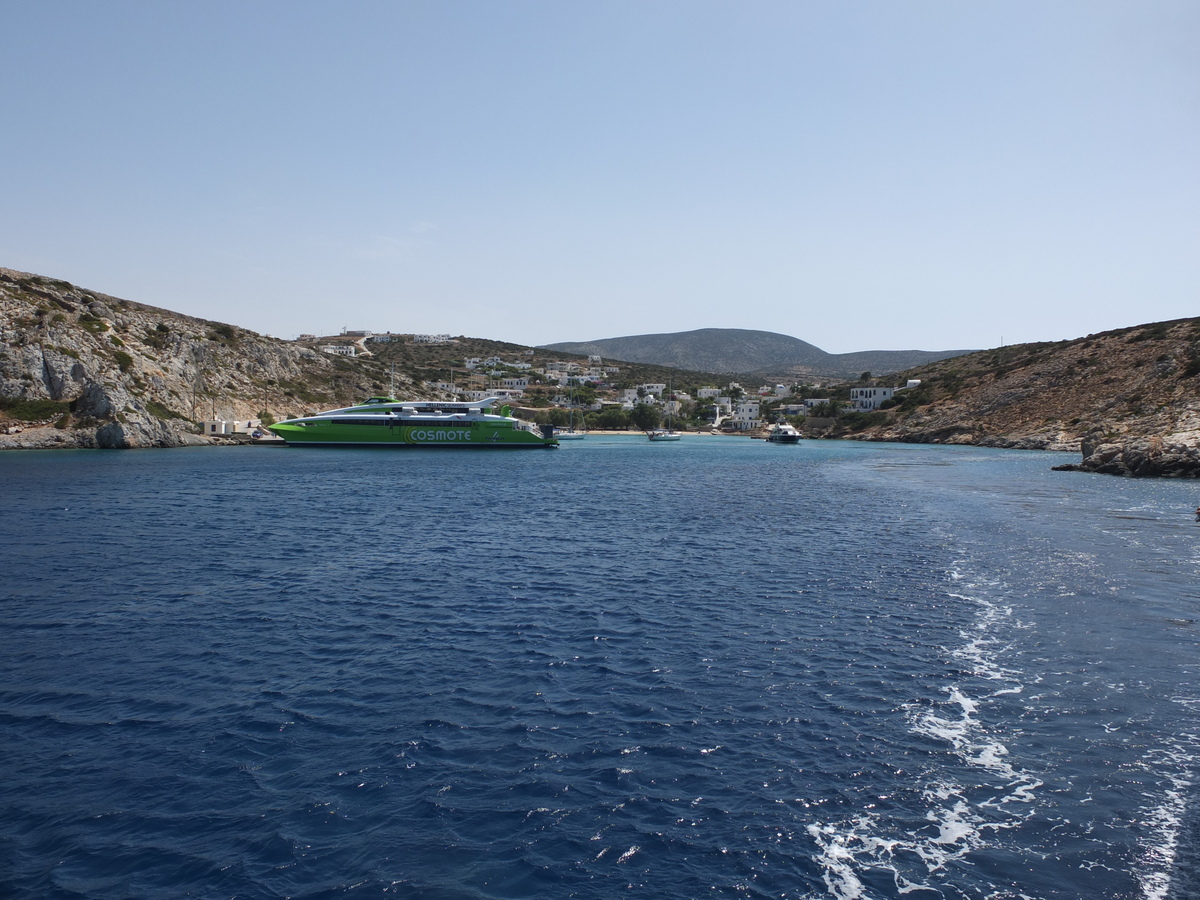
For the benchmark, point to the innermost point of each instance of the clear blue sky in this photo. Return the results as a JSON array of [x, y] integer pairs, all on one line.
[[861, 174]]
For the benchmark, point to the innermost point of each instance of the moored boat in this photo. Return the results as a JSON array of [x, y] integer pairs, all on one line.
[[663, 434], [384, 421], [666, 433], [571, 433], [783, 433]]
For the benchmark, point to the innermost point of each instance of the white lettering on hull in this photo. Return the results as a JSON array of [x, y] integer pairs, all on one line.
[[431, 435]]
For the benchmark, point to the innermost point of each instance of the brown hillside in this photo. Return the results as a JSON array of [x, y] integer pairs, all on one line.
[[1118, 386]]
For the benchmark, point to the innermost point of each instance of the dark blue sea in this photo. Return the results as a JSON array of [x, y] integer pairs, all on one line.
[[714, 668]]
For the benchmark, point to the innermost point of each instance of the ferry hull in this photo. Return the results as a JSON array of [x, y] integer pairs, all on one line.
[[467, 434]]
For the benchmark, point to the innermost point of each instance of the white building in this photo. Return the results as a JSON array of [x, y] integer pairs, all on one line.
[[339, 349], [745, 414], [863, 399], [241, 426], [866, 398], [431, 338]]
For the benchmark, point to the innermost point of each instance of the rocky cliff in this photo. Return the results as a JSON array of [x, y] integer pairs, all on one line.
[[82, 369], [1128, 399]]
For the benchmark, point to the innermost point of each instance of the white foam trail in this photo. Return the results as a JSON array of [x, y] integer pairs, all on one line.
[[1164, 818], [961, 818]]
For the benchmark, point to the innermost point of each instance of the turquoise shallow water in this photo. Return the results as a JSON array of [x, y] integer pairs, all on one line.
[[710, 668]]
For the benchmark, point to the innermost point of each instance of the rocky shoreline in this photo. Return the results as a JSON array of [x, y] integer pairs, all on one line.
[[110, 436], [1177, 456]]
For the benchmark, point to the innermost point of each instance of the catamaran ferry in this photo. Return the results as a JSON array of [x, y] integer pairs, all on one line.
[[384, 421]]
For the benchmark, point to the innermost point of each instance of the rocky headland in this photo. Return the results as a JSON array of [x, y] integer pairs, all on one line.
[[1128, 400], [83, 369]]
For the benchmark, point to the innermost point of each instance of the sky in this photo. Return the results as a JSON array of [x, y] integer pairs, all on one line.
[[860, 174]]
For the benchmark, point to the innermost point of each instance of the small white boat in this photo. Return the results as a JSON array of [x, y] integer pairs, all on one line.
[[666, 433], [571, 433]]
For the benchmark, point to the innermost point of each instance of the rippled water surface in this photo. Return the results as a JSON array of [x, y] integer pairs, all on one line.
[[716, 668]]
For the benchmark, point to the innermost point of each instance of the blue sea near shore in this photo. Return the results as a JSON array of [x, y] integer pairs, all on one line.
[[714, 668]]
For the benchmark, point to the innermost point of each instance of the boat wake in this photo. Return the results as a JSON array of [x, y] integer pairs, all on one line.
[[1165, 813], [971, 789]]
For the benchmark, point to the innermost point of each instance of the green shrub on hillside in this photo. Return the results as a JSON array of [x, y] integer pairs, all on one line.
[[225, 334], [91, 323], [159, 411], [33, 410], [857, 421]]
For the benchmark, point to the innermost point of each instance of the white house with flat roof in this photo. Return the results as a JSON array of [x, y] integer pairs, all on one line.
[[864, 399], [867, 398], [239, 426], [745, 414]]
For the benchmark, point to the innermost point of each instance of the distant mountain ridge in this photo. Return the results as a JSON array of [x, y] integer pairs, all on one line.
[[734, 350]]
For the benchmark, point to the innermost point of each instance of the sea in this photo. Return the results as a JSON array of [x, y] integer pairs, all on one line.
[[712, 668]]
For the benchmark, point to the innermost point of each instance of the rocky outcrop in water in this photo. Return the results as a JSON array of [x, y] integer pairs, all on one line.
[[1137, 458], [83, 369]]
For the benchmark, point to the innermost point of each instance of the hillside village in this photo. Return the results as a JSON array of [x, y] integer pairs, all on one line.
[[535, 385]]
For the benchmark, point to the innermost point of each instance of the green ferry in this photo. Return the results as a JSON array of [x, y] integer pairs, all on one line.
[[387, 422]]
